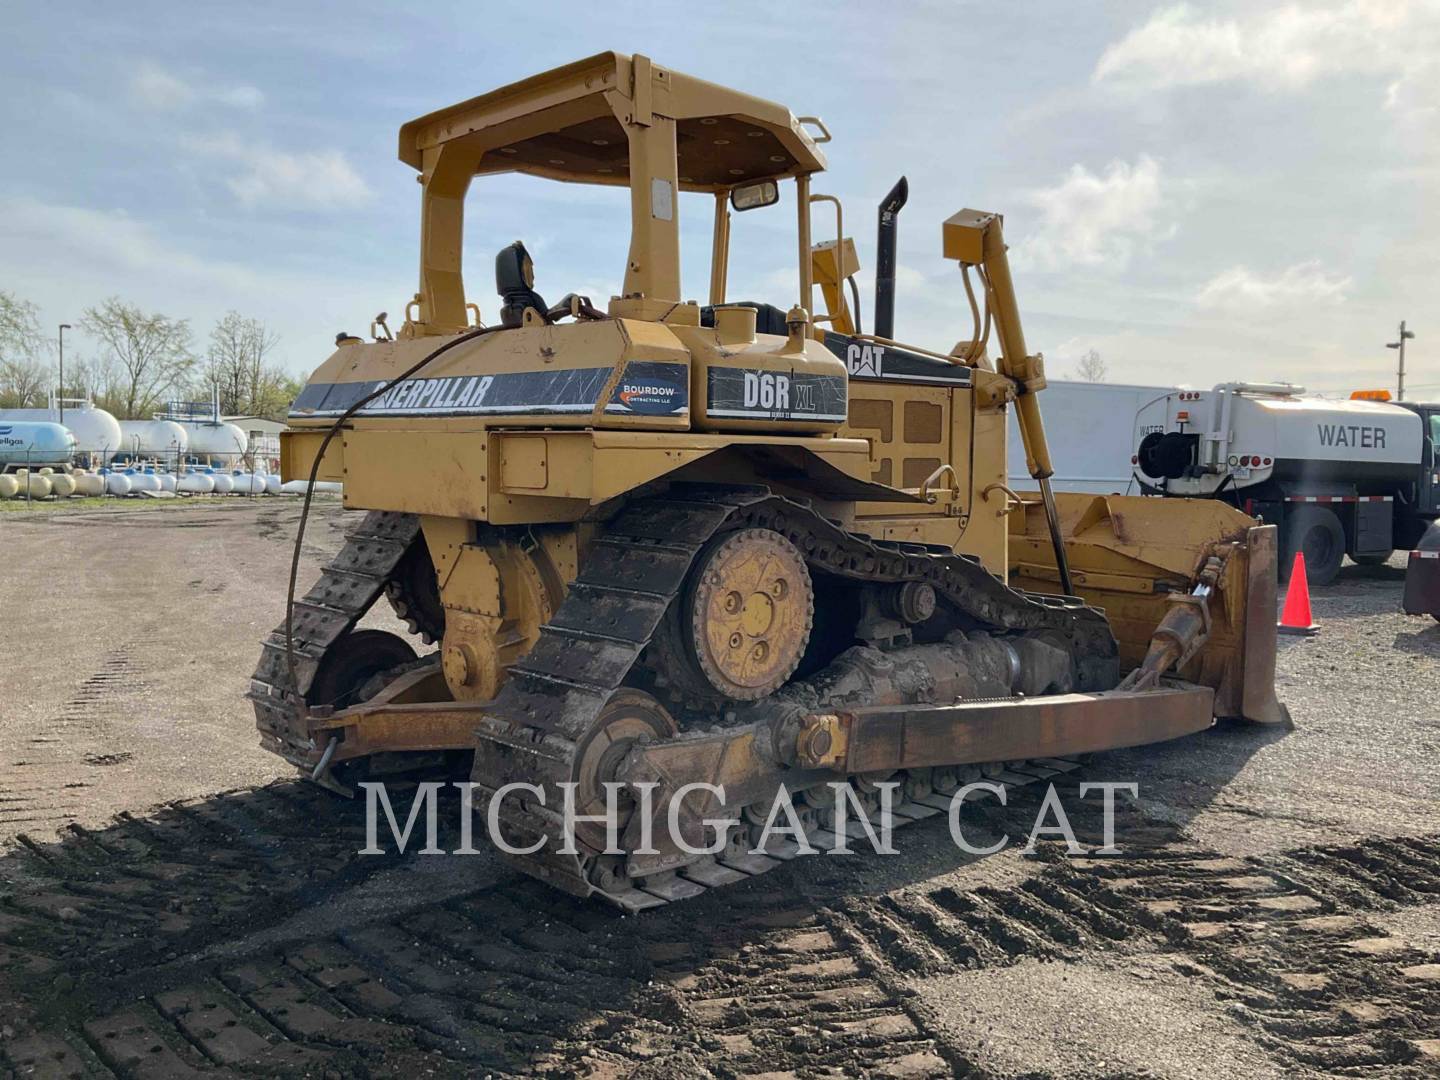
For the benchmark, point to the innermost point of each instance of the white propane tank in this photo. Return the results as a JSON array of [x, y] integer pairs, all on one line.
[[9, 486], [196, 484], [39, 486], [299, 487], [167, 482], [152, 439], [223, 484], [63, 485], [215, 443], [89, 484], [96, 431], [33, 444], [140, 481], [249, 484], [117, 484], [272, 485]]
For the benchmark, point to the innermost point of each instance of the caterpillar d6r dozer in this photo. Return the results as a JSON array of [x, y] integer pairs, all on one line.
[[661, 543]]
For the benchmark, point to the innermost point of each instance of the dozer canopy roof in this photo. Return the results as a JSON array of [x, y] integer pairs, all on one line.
[[568, 124]]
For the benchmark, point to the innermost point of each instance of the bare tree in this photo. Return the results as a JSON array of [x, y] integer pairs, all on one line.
[[24, 376], [235, 362], [1091, 367], [149, 353]]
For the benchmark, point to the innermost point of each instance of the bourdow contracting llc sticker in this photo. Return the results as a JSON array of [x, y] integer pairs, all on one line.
[[652, 389]]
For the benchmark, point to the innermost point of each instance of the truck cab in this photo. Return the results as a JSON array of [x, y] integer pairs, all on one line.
[[1427, 487]]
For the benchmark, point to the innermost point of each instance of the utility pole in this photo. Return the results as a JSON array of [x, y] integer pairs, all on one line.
[[1405, 335], [60, 396]]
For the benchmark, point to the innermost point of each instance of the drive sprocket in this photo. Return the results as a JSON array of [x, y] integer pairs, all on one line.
[[739, 629]]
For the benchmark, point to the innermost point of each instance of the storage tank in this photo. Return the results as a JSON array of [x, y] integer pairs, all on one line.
[[9, 485], [117, 484], [223, 484], [167, 482], [151, 439], [215, 442], [39, 486], [96, 431], [32, 444], [272, 484], [89, 484], [140, 481], [62, 485], [196, 483]]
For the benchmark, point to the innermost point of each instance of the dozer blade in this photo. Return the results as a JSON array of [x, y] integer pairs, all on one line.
[[1131, 554]]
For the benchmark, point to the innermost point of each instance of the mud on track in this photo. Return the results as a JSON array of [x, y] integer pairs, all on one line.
[[243, 933]]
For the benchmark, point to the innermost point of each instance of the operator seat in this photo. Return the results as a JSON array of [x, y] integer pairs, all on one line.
[[515, 282]]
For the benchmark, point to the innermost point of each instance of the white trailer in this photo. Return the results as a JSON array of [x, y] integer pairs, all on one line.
[[1339, 478], [1088, 426]]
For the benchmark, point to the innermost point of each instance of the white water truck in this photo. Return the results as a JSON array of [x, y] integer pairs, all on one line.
[[1357, 477]]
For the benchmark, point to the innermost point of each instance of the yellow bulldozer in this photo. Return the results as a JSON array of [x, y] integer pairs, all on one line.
[[663, 544]]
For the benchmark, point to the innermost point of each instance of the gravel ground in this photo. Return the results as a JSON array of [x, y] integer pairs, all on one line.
[[171, 902]]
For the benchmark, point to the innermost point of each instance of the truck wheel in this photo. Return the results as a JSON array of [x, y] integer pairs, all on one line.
[[1375, 559], [1317, 532]]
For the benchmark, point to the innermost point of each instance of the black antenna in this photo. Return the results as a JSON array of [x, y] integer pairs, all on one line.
[[890, 208]]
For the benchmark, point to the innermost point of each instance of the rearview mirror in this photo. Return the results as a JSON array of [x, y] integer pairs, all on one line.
[[753, 196]]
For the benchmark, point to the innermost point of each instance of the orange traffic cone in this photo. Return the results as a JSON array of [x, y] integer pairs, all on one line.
[[1295, 619]]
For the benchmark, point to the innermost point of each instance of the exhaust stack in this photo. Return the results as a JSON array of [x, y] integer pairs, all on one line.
[[890, 208]]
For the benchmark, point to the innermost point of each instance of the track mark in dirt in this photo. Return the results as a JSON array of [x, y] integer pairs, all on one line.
[[118, 951], [1288, 943], [107, 940], [57, 743]]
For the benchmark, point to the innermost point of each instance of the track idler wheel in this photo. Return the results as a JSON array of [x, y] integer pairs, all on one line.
[[739, 629], [352, 662], [628, 717]]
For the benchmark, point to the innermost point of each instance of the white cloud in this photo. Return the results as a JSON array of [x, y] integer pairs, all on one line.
[[241, 97], [1279, 48], [1095, 220], [156, 88], [321, 179], [1303, 283], [70, 257]]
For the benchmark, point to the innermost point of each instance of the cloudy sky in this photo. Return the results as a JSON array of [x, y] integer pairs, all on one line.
[[1198, 192]]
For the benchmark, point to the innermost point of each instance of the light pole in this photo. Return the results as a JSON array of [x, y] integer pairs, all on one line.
[[1405, 335], [60, 396]]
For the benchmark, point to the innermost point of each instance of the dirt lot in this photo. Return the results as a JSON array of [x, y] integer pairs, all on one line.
[[172, 902]]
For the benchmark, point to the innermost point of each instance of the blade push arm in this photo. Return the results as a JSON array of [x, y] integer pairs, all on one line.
[[976, 238]]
